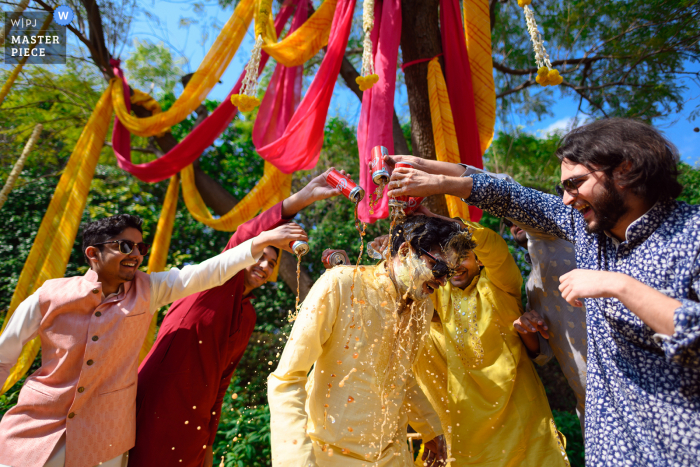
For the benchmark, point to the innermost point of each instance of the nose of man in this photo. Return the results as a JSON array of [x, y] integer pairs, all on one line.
[[567, 198]]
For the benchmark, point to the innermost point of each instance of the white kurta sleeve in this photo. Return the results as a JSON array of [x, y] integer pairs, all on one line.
[[168, 286], [21, 328]]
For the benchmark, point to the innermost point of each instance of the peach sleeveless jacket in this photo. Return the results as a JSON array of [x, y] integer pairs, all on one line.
[[86, 385]]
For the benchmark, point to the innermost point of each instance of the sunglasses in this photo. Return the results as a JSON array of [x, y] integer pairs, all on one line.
[[440, 269], [127, 246], [570, 186]]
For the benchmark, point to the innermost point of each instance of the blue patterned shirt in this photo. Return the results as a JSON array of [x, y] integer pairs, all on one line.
[[642, 388]]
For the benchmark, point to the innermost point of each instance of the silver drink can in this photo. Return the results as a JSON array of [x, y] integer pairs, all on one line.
[[300, 248]]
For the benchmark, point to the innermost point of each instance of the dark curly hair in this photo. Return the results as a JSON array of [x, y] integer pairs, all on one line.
[[427, 232], [103, 229], [606, 144]]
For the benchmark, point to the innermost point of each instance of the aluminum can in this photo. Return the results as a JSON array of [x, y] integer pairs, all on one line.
[[380, 174], [412, 204], [401, 201], [300, 247], [350, 189], [333, 258]]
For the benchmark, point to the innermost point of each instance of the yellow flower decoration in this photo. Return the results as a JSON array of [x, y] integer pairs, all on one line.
[[245, 103], [366, 82], [522, 3], [548, 77]]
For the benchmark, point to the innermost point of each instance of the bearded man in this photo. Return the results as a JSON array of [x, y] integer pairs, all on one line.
[[638, 250], [361, 329]]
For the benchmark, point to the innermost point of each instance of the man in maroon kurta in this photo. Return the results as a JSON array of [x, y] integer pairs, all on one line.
[[183, 380]]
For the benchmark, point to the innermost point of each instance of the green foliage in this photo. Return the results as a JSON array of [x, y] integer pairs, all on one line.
[[528, 159], [568, 424], [690, 179], [152, 66], [621, 58]]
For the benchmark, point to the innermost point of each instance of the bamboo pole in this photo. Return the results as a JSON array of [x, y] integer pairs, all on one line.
[[19, 9], [19, 165]]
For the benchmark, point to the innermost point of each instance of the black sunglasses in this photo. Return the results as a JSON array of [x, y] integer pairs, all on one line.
[[440, 269], [570, 186], [127, 246]]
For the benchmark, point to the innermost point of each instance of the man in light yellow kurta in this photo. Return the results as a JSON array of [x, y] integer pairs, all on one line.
[[361, 330], [491, 399]]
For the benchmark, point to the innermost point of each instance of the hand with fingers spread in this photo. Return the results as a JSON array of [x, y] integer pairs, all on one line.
[[427, 212], [531, 322], [435, 452], [380, 245], [528, 325], [280, 237]]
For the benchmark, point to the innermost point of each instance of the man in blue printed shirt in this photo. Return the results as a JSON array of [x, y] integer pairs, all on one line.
[[638, 251]]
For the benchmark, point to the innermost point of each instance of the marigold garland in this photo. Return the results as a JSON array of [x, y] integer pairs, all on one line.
[[546, 75], [368, 78], [247, 100]]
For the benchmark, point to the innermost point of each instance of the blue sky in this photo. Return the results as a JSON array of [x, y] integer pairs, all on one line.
[[190, 44]]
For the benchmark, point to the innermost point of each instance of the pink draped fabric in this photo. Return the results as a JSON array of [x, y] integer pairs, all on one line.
[[300, 145], [376, 118], [458, 77], [198, 140], [282, 95]]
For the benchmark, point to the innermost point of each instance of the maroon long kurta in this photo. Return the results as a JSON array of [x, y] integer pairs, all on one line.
[[183, 379]]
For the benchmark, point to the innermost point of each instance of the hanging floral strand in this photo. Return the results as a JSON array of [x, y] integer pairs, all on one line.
[[367, 76], [546, 75], [247, 99]]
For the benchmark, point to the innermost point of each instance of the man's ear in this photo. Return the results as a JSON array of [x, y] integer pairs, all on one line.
[[619, 173], [404, 249], [92, 254]]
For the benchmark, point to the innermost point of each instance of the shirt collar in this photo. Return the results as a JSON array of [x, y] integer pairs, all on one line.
[[641, 228]]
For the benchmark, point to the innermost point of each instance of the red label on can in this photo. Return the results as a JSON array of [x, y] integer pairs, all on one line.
[[412, 204], [380, 174], [344, 184], [406, 165]]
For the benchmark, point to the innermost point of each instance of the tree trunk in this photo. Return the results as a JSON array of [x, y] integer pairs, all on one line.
[[420, 38]]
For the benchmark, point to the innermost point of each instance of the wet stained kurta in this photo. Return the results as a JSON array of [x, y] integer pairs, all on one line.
[[495, 404], [361, 394]]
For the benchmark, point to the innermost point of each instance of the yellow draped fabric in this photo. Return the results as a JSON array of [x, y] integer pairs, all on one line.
[[498, 410], [15, 71], [302, 44], [273, 187], [446, 148], [54, 240], [477, 27], [158, 255], [207, 75]]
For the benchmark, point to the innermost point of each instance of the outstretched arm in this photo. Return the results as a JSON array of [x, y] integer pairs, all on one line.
[[166, 287], [317, 189]]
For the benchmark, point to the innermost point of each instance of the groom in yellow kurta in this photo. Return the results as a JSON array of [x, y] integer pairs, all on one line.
[[361, 330], [489, 395]]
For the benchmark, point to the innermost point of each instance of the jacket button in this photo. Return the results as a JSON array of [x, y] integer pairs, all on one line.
[[71, 415], [95, 291], [98, 314], [90, 362], [81, 389], [94, 338]]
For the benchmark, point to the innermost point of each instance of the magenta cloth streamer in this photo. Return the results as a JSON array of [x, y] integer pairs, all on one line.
[[376, 118], [300, 145], [194, 144], [458, 77], [282, 95]]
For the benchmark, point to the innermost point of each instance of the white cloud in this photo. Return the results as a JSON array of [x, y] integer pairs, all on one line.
[[560, 127]]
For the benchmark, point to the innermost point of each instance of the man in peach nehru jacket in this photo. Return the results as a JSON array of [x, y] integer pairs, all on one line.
[[79, 408]]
